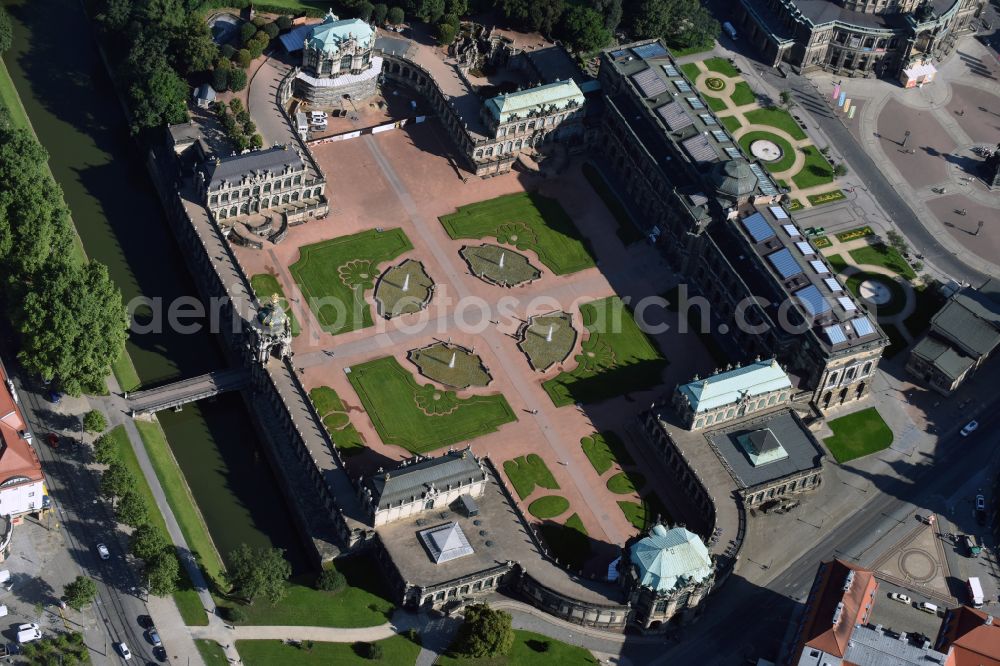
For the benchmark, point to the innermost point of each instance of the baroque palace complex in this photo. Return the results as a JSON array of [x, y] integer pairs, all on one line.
[[734, 440]]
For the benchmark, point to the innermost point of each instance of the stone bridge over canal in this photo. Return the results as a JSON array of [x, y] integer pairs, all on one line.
[[184, 391]]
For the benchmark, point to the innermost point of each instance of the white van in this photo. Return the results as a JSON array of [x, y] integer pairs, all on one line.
[[928, 607], [27, 633], [730, 30], [302, 123]]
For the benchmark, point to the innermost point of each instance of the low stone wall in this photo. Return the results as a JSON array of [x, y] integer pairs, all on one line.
[[608, 617]]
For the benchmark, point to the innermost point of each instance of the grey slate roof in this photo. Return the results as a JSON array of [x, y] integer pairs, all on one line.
[[763, 441], [407, 483], [942, 357], [869, 647], [962, 322], [232, 169]]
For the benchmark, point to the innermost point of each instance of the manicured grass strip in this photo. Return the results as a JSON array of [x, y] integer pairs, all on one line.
[[617, 358], [528, 221], [691, 50], [826, 197], [395, 650], [816, 170], [787, 159], [644, 513], [365, 602], [776, 117], [731, 123], [211, 652], [124, 371], [188, 603], [743, 94], [885, 256], [722, 66], [627, 231], [336, 420], [264, 285], [857, 435], [568, 542], [549, 506], [624, 483], [529, 471], [181, 501], [853, 234], [335, 274], [422, 418], [715, 103], [605, 449], [530, 649], [11, 101], [691, 71]]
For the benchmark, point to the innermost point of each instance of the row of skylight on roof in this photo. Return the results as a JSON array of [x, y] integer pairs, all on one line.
[[757, 227], [762, 180], [649, 83], [682, 85], [651, 50], [837, 333], [696, 104]]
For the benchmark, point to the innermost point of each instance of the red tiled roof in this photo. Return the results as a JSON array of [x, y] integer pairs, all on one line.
[[17, 458], [972, 641], [818, 629]]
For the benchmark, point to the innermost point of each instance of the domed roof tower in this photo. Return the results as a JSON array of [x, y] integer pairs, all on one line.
[[733, 179]]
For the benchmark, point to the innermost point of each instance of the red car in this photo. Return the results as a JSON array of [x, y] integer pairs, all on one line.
[[52, 439]]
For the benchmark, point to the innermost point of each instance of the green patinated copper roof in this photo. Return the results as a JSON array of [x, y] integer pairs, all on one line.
[[667, 559], [328, 35], [558, 95], [730, 386]]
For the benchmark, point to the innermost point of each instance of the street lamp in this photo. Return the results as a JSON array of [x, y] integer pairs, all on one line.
[[906, 135], [979, 227]]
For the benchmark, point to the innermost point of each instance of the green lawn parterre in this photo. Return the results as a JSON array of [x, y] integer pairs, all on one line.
[[731, 123], [722, 66], [211, 652], [624, 483], [604, 449], [484, 262], [334, 275], [642, 514], [529, 649], [526, 472], [816, 170], [826, 197], [885, 256], [854, 280], [390, 298], [265, 284], [852, 234], [434, 362], [187, 600], [691, 71], [858, 434], [742, 94], [543, 353], [365, 602], [776, 117], [422, 418], [617, 358], [787, 159], [528, 221], [568, 542], [716, 103], [548, 506], [395, 650], [333, 412]]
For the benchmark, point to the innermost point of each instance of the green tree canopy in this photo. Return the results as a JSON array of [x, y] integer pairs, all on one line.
[[116, 480], [430, 11], [157, 98], [132, 509], [147, 542], [611, 10], [446, 33], [485, 632], [80, 592], [73, 326], [258, 572], [94, 421], [192, 44], [396, 15], [584, 29], [247, 31], [237, 80], [379, 13], [6, 30], [105, 450], [163, 573], [681, 23]]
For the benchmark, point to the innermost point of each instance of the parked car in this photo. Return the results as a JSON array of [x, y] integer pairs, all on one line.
[[154, 637], [928, 607], [52, 439], [901, 598], [54, 396], [125, 652], [980, 503], [969, 428], [102, 550], [28, 632]]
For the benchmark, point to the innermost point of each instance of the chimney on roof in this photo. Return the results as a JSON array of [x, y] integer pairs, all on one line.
[[989, 620]]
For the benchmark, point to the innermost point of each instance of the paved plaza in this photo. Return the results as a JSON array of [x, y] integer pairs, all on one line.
[[401, 179]]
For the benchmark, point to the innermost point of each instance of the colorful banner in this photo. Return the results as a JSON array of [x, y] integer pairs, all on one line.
[[843, 98], [847, 105], [836, 91], [850, 115]]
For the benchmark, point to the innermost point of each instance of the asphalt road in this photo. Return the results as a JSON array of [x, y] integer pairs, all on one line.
[[752, 621], [86, 519]]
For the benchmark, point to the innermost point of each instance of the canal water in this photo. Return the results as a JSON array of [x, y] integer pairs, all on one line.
[[68, 96]]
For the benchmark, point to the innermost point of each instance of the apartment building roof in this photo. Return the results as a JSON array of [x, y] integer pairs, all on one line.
[[17, 458]]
